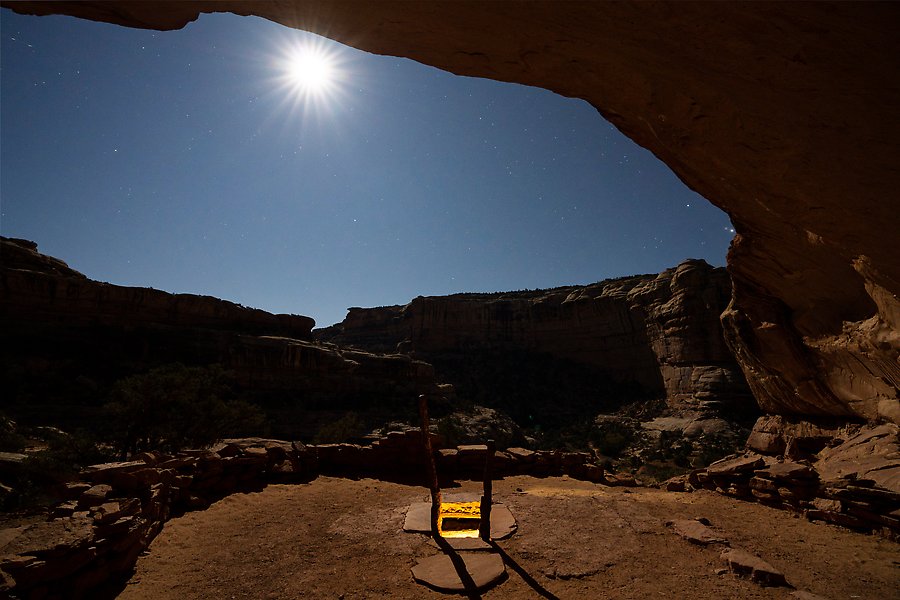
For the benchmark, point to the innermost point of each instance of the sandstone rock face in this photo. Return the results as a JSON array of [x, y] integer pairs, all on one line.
[[781, 114], [660, 331]]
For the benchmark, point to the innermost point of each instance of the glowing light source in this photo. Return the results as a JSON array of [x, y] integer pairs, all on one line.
[[310, 69], [310, 75], [459, 519]]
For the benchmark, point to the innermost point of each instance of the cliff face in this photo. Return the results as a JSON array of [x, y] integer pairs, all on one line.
[[60, 331], [781, 114], [661, 332], [39, 287]]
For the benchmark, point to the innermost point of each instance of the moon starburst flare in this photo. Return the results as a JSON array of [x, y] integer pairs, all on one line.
[[310, 74], [309, 70]]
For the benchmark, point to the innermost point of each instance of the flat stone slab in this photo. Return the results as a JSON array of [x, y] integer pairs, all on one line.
[[472, 449], [418, 520], [696, 532], [438, 572], [747, 565], [730, 466], [460, 497], [464, 544], [47, 538]]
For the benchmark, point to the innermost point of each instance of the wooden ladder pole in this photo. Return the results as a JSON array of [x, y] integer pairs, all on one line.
[[432, 470], [484, 529]]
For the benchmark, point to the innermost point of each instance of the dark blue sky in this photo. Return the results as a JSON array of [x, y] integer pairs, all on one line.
[[182, 161]]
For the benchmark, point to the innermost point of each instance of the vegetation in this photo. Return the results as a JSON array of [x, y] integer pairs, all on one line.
[[612, 443], [174, 407], [10, 439], [32, 482], [167, 408], [341, 430], [450, 430], [542, 393]]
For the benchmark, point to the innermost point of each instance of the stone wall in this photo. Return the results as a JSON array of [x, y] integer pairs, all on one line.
[[114, 511], [845, 475]]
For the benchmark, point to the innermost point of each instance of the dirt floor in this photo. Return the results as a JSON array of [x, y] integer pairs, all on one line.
[[343, 539]]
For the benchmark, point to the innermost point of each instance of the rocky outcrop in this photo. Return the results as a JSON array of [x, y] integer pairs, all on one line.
[[659, 331], [854, 482], [58, 327], [778, 113]]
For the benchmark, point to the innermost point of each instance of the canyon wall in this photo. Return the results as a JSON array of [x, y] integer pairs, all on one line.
[[661, 332], [60, 331], [782, 114], [40, 287]]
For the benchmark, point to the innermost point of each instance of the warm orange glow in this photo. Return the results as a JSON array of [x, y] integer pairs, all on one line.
[[460, 512]]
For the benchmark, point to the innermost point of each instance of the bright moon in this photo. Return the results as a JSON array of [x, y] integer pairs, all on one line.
[[310, 70], [310, 75]]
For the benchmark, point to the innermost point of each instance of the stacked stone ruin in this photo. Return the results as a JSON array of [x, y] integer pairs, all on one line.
[[854, 483], [112, 513]]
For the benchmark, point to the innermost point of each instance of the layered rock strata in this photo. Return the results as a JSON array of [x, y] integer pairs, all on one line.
[[659, 331], [778, 113], [115, 510], [854, 482]]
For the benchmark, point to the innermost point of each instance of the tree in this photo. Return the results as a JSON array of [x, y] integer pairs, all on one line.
[[174, 407]]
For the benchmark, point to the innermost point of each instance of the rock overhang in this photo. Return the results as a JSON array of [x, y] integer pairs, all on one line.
[[780, 114]]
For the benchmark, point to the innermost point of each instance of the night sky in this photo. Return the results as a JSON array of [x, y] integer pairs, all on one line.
[[193, 161]]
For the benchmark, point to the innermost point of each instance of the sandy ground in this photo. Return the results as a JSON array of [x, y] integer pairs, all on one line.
[[343, 539]]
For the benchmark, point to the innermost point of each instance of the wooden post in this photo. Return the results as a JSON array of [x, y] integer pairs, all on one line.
[[484, 529], [432, 470]]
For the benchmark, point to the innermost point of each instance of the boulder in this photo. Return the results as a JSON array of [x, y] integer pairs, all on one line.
[[732, 465], [95, 495]]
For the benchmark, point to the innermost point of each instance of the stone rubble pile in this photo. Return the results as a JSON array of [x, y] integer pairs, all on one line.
[[115, 510], [740, 562], [699, 532], [854, 483]]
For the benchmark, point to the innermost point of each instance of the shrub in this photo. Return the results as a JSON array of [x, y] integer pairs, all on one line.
[[341, 430], [450, 431], [35, 483], [611, 435], [612, 443], [10, 439]]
